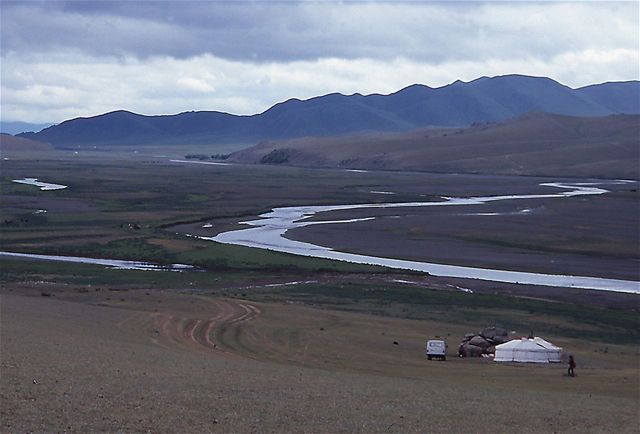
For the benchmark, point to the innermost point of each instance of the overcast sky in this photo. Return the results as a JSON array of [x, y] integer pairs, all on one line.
[[67, 59]]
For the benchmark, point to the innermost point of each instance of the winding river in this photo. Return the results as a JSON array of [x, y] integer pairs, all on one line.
[[269, 231]]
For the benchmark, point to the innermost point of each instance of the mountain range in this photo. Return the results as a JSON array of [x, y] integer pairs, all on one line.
[[20, 127], [459, 104]]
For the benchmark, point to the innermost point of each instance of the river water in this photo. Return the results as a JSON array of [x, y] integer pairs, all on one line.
[[269, 231], [112, 263], [44, 186]]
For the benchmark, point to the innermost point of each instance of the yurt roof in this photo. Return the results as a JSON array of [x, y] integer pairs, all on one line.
[[521, 344], [548, 345]]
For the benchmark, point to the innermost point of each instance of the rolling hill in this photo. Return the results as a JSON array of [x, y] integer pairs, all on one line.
[[459, 104], [9, 143], [532, 144]]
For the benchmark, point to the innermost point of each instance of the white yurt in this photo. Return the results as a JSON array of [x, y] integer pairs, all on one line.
[[527, 350], [554, 352]]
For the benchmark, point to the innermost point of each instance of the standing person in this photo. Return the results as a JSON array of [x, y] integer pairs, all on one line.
[[572, 365]]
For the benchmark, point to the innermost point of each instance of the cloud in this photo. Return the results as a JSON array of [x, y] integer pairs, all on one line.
[[265, 32], [69, 59]]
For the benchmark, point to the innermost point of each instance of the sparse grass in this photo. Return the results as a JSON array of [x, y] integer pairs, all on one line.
[[566, 319], [402, 301]]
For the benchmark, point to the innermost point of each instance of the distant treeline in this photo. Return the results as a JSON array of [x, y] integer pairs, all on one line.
[[206, 157]]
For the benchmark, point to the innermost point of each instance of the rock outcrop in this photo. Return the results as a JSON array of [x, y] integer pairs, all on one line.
[[484, 342]]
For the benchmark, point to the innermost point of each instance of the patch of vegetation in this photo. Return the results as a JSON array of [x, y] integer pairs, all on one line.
[[24, 220], [197, 197], [225, 256], [204, 157], [134, 249], [196, 157], [277, 156]]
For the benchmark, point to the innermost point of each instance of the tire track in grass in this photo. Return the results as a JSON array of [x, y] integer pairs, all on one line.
[[231, 334], [223, 331]]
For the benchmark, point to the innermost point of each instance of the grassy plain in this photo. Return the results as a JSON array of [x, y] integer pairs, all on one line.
[[163, 361], [87, 348]]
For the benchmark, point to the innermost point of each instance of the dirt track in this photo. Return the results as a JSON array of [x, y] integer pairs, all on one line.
[[194, 333]]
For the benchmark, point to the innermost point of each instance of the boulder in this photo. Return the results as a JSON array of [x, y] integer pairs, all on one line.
[[479, 341], [497, 340], [478, 344], [469, 350], [491, 332]]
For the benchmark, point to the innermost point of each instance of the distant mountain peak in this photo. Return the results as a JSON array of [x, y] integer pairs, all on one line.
[[16, 127], [413, 87]]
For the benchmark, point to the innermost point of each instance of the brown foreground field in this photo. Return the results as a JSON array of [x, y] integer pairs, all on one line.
[[167, 361]]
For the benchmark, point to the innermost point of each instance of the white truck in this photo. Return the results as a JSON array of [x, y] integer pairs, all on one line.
[[436, 348]]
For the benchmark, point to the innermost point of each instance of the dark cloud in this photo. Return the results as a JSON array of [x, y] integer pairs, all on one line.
[[264, 31]]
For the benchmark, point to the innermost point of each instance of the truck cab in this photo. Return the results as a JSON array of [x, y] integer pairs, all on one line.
[[437, 349]]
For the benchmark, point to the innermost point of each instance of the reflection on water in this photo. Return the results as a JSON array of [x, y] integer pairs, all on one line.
[[44, 186]]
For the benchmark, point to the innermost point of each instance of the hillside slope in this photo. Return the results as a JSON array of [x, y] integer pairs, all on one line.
[[532, 144], [9, 143]]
